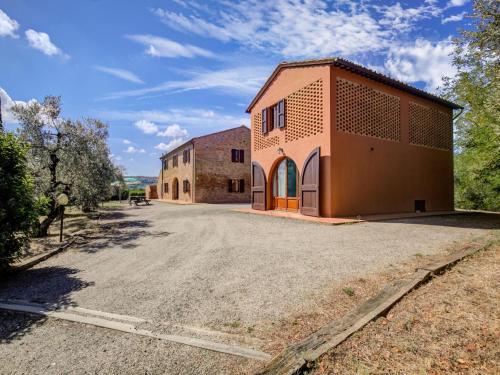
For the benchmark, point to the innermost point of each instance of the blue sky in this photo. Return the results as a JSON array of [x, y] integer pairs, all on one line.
[[161, 72]]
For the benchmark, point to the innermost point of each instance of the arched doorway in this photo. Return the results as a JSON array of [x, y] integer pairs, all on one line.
[[175, 189], [285, 182]]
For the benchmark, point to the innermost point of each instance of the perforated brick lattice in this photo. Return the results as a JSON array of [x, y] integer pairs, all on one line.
[[430, 127], [364, 111], [261, 141], [304, 112]]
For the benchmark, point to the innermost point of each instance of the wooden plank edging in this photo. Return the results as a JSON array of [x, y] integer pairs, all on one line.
[[34, 260], [295, 357], [103, 320]]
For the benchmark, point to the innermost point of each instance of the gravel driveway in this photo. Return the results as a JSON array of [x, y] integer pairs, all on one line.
[[207, 266]]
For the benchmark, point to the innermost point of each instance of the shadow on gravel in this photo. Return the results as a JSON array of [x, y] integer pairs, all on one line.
[[51, 286], [112, 215], [466, 220], [121, 233]]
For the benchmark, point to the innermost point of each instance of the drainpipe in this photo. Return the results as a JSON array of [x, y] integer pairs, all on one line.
[[161, 181], [193, 179], [458, 114]]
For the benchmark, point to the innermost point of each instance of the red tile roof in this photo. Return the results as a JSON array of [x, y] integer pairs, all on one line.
[[355, 68]]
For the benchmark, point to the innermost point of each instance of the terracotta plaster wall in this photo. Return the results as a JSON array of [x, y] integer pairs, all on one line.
[[373, 176], [287, 82], [181, 172], [214, 167]]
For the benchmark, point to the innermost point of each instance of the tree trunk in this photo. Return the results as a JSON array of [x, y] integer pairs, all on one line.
[[43, 227]]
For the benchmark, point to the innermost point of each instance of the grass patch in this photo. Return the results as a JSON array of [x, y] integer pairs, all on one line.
[[349, 291]]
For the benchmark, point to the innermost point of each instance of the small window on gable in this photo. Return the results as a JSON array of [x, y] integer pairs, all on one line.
[[186, 156], [175, 161]]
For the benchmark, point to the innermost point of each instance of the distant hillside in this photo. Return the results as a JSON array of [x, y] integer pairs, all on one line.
[[140, 182]]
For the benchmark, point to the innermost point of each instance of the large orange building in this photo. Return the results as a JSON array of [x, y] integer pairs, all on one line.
[[332, 138]]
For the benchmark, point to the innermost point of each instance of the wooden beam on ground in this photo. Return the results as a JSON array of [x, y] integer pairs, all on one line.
[[295, 358], [129, 328]]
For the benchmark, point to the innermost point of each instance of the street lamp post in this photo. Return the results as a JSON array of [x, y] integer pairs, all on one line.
[[62, 201]]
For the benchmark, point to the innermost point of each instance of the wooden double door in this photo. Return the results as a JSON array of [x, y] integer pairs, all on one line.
[[289, 191]]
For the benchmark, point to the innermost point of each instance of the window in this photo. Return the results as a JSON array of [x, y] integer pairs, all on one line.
[[237, 156], [185, 186], [236, 185], [273, 117], [164, 163], [165, 187], [186, 156], [285, 179], [274, 122], [280, 123], [175, 161], [264, 121]]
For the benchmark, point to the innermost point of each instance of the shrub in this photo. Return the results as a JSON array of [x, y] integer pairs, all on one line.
[[137, 193], [18, 209]]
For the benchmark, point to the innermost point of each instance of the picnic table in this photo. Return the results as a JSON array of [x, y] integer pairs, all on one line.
[[137, 200]]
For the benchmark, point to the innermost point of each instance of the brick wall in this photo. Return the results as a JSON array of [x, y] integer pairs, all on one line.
[[214, 166], [182, 172], [151, 192]]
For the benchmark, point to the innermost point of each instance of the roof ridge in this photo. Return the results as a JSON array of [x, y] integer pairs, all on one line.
[[356, 68], [191, 140]]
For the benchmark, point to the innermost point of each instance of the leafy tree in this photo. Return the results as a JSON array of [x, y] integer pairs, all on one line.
[[65, 156], [477, 88], [86, 165], [17, 206]]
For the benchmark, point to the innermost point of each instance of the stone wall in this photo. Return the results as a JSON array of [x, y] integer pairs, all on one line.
[[183, 171], [151, 192], [214, 168]]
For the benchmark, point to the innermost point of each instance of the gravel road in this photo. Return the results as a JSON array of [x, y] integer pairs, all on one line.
[[207, 266]]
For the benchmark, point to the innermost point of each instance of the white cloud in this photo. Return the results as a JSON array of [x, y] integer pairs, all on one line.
[[454, 18], [241, 80], [189, 117], [120, 73], [423, 61], [170, 145], [8, 26], [126, 142], [7, 103], [115, 157], [308, 28], [41, 41], [135, 150], [147, 127], [456, 3], [173, 131], [395, 17], [163, 47]]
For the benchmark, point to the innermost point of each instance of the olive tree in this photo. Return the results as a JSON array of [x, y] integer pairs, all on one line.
[[477, 88], [64, 156]]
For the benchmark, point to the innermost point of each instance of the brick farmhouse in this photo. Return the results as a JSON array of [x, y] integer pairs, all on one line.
[[332, 138], [213, 168]]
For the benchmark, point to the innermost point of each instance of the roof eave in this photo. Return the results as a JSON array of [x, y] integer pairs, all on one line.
[[358, 69]]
